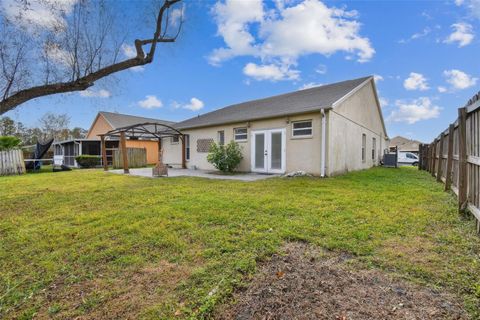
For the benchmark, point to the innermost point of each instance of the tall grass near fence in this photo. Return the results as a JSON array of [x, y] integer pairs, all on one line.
[[454, 158]]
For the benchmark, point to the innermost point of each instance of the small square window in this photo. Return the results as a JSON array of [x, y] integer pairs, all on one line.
[[240, 134], [174, 139], [302, 128]]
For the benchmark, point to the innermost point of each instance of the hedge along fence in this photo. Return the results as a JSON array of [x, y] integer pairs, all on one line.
[[11, 162], [454, 158], [136, 157]]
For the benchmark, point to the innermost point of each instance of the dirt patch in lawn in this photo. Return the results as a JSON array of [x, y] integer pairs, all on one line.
[[122, 297], [308, 283]]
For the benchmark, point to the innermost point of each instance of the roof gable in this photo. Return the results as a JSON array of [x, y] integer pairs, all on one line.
[[302, 101]]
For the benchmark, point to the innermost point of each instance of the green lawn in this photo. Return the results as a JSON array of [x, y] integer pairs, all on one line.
[[86, 243]]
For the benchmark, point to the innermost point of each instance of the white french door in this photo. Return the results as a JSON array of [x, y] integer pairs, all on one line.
[[268, 151]]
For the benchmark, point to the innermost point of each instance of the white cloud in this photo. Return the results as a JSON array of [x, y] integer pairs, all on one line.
[[414, 111], [425, 32], [130, 52], [441, 89], [31, 15], [459, 79], [281, 35], [54, 52], [473, 6], [310, 85], [416, 81], [194, 105], [383, 101], [176, 16], [102, 93], [377, 77], [150, 102], [321, 69], [462, 34], [233, 19], [272, 72]]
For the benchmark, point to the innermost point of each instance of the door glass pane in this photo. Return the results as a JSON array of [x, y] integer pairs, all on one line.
[[276, 158], [259, 151]]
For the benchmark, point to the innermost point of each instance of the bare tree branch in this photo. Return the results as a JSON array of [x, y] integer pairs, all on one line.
[[83, 57]]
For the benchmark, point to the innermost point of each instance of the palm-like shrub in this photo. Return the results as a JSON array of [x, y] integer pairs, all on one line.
[[9, 143]]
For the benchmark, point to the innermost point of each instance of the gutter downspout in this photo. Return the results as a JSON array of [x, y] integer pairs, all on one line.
[[324, 141]]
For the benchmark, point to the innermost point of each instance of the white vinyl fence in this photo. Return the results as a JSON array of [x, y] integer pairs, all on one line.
[[11, 162]]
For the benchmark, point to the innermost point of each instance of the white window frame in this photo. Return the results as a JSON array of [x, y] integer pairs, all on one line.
[[235, 134], [187, 147], [364, 147], [174, 142], [374, 149], [299, 129], [219, 134]]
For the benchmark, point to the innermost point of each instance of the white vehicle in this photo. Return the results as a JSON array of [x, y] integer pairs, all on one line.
[[407, 158]]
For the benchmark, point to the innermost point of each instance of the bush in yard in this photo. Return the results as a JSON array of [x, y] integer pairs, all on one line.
[[225, 158], [88, 161], [9, 143]]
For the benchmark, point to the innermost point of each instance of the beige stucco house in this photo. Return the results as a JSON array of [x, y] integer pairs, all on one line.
[[325, 130]]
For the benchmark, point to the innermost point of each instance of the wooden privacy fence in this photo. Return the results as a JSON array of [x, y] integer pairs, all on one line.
[[454, 158], [11, 162], [136, 157]]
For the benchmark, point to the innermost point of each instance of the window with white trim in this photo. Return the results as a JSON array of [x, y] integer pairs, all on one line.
[[374, 148], [240, 134], [302, 128], [221, 137], [364, 147], [174, 139], [187, 146]]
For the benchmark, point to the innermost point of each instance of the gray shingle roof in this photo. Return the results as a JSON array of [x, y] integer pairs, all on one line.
[[404, 144], [297, 102], [118, 120]]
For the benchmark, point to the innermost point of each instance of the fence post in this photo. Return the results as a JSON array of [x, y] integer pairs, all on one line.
[[427, 157], [124, 151], [104, 153], [462, 159], [448, 173], [420, 161], [440, 158], [434, 157], [430, 153]]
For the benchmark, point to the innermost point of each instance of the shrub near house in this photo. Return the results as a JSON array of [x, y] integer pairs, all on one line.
[[88, 161], [225, 158]]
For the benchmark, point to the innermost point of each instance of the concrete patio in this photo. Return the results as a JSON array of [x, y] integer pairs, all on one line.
[[173, 172]]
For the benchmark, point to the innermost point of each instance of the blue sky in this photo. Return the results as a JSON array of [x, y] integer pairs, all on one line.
[[424, 54]]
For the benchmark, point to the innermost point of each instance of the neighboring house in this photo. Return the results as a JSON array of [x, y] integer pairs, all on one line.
[[404, 144], [324, 130], [66, 151]]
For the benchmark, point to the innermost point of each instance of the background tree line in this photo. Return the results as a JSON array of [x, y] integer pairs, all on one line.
[[49, 126]]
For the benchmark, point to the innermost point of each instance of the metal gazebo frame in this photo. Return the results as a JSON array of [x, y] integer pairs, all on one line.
[[148, 130]]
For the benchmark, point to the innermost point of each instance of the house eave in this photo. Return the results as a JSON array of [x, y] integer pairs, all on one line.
[[254, 119]]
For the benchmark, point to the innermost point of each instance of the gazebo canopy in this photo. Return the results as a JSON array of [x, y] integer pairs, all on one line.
[[147, 130]]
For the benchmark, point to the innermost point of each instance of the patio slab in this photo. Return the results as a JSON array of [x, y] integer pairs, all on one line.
[[147, 172]]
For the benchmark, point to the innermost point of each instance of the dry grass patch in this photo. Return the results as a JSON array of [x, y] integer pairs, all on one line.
[[124, 296], [305, 282]]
